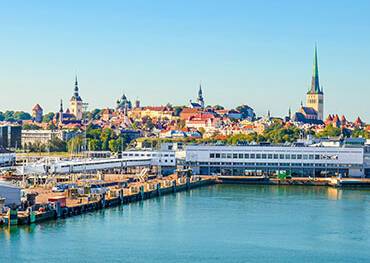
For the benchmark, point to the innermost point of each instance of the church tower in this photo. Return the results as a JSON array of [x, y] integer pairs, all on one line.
[[200, 98], [315, 96], [76, 103]]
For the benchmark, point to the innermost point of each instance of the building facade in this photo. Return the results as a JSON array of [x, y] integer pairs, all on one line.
[[44, 136], [300, 161], [10, 137]]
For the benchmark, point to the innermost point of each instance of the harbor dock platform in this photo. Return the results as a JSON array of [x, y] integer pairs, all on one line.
[[308, 181], [54, 206]]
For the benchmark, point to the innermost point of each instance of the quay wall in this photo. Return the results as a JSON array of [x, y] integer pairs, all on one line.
[[58, 212]]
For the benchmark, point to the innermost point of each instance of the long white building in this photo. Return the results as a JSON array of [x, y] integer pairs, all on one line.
[[166, 160], [300, 161]]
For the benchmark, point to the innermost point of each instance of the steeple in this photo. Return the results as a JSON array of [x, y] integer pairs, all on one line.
[[76, 87], [61, 106], [200, 96], [60, 119], [200, 92], [315, 83], [76, 96]]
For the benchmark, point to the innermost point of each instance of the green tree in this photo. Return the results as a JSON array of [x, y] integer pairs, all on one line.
[[96, 114], [51, 126], [30, 127], [116, 145], [36, 147], [94, 144], [75, 144], [21, 116], [329, 131], [218, 107], [57, 145], [105, 137], [48, 117], [356, 133]]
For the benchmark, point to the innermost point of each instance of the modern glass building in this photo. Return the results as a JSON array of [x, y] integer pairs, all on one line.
[[10, 137]]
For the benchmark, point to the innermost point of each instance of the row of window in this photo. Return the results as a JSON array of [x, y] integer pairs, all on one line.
[[279, 164], [272, 156], [149, 154]]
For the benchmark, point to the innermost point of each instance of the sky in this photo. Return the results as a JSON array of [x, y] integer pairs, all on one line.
[[258, 53]]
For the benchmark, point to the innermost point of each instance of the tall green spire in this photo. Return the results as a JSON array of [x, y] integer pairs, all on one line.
[[315, 84]]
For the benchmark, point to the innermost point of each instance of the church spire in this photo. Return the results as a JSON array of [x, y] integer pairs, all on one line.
[[76, 87], [200, 98], [315, 84], [61, 106]]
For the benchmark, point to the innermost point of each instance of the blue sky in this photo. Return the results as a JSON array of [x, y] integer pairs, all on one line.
[[258, 53]]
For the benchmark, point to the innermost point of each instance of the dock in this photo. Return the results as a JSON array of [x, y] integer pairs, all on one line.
[[307, 181], [60, 205]]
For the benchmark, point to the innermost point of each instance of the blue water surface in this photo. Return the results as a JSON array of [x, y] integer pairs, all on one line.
[[221, 223]]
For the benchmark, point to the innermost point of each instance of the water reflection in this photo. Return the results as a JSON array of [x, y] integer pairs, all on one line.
[[334, 193]]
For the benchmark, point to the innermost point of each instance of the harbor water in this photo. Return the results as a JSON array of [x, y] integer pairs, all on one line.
[[220, 223]]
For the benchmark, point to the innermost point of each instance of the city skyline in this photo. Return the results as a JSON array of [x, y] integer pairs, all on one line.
[[239, 61]]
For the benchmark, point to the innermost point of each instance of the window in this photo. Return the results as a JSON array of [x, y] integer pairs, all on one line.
[[212, 155], [305, 157], [276, 156], [253, 156], [258, 156], [282, 156], [235, 155], [269, 156], [299, 156], [229, 155], [240, 156], [264, 156], [311, 156], [218, 155], [294, 156], [287, 156], [223, 155], [317, 157], [246, 156]]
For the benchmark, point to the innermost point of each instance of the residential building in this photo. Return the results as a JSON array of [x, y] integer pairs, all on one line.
[[44, 136]]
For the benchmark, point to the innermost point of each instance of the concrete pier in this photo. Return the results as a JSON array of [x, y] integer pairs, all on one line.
[[134, 192]]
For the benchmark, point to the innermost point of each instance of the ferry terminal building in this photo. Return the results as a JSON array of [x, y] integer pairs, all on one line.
[[255, 159]]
